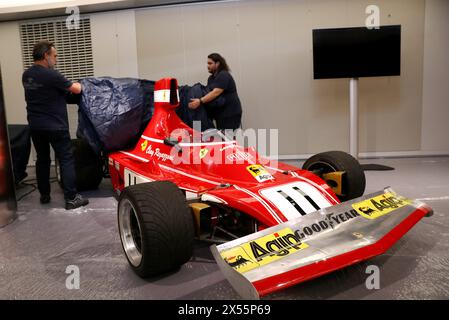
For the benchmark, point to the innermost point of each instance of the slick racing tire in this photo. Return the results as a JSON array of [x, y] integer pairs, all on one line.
[[353, 183], [156, 227], [88, 166]]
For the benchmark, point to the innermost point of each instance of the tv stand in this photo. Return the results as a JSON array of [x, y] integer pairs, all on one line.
[[353, 118]]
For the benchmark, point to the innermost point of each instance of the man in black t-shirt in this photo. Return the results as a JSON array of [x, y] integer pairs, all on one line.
[[221, 83], [45, 94]]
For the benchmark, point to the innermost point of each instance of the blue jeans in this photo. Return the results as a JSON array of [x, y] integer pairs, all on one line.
[[60, 142]]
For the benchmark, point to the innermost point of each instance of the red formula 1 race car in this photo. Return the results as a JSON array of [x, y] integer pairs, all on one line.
[[273, 225]]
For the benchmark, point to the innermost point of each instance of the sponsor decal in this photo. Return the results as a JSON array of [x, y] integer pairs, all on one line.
[[203, 152], [239, 260], [157, 153], [267, 249], [144, 145], [380, 205], [239, 156], [338, 218], [264, 250], [331, 221], [259, 172]]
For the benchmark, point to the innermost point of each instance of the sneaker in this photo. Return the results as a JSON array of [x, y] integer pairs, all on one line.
[[45, 198], [76, 202]]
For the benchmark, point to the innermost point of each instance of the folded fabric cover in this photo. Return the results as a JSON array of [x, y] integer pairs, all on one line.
[[113, 112]]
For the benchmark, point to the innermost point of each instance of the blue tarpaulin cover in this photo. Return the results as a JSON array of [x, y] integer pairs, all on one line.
[[113, 112]]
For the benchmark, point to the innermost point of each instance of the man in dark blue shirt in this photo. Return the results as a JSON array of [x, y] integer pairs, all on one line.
[[221, 83], [45, 94]]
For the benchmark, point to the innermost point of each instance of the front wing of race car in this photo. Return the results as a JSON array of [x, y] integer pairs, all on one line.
[[318, 243]]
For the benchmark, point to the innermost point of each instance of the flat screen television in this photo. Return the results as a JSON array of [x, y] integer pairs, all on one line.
[[357, 52]]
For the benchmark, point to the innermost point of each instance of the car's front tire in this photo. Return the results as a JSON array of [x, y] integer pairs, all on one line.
[[354, 181], [156, 227]]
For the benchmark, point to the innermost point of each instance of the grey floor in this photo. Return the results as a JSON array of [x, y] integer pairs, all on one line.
[[37, 248]]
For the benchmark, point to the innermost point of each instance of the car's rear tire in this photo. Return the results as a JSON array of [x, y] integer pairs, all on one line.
[[354, 181], [156, 227], [88, 166]]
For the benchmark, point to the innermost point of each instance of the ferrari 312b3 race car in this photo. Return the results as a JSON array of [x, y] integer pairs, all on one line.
[[271, 225]]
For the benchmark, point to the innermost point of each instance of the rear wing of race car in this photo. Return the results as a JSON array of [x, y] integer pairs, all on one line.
[[318, 243]]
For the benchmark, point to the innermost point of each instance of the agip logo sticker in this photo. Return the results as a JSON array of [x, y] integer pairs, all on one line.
[[259, 172], [380, 205], [238, 259], [264, 250]]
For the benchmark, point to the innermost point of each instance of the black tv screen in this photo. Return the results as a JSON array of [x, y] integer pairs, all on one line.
[[357, 52]]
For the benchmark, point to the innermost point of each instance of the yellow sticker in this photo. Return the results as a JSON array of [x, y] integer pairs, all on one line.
[[264, 250], [380, 205], [238, 259], [259, 172], [203, 153], [144, 145]]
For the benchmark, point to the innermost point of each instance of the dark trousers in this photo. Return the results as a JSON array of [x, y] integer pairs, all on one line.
[[61, 143]]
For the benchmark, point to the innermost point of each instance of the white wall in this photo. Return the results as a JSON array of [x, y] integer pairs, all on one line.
[[12, 69], [268, 45], [114, 44], [435, 113], [272, 42]]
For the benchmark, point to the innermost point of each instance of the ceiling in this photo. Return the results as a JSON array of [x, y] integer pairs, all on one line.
[[30, 9]]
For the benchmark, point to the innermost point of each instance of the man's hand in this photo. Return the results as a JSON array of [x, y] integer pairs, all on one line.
[[194, 103], [75, 88]]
